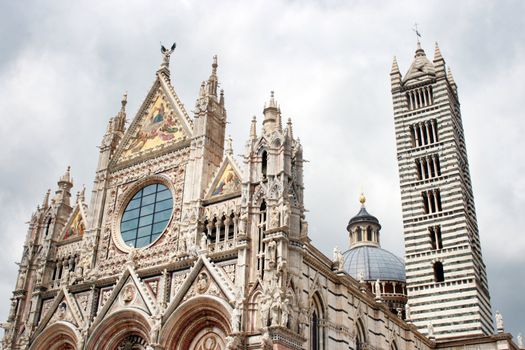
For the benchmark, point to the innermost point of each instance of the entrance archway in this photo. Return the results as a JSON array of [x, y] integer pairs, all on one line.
[[201, 323]]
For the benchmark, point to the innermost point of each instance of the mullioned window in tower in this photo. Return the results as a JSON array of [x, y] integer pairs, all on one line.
[[424, 133], [428, 167], [420, 97]]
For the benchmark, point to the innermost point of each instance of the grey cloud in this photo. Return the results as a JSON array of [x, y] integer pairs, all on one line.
[[64, 66]]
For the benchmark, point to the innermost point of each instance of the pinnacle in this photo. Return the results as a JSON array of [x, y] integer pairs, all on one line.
[[437, 54], [395, 67], [450, 77]]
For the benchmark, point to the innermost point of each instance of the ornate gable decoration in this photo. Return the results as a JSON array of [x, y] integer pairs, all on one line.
[[64, 308], [76, 224], [227, 181], [129, 292], [160, 123], [204, 279]]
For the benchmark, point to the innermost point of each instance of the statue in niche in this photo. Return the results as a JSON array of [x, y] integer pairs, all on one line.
[[265, 301], [274, 218], [285, 312], [271, 250], [204, 241], [285, 214], [236, 316]]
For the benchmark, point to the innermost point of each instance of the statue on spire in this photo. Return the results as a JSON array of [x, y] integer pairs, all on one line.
[[166, 53]]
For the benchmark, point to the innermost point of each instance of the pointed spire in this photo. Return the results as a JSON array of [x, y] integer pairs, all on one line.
[[229, 146], [124, 102], [450, 77], [419, 50], [81, 195], [213, 81], [437, 54], [221, 100], [119, 122], [253, 128], [271, 103], [66, 178], [202, 91], [45, 203], [289, 129], [395, 67], [271, 114]]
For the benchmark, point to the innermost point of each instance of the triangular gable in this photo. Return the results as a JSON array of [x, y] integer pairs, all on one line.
[[161, 122], [227, 180], [129, 292], [204, 278], [64, 308], [75, 225]]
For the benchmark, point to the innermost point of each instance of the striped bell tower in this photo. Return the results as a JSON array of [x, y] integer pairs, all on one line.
[[447, 285]]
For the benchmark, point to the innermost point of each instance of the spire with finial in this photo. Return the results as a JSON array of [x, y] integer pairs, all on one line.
[[437, 54], [395, 74], [66, 178], [289, 129], [253, 128], [439, 62], [221, 99], [395, 67], [362, 199], [213, 81], [119, 121], [81, 195], [229, 146], [450, 77], [271, 115], [45, 203]]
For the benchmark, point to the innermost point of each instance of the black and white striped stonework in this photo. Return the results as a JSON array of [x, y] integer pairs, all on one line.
[[446, 279]]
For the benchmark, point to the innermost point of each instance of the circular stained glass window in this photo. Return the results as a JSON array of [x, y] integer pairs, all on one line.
[[146, 215]]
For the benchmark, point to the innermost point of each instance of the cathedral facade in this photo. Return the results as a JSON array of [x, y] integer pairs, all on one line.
[[183, 246]]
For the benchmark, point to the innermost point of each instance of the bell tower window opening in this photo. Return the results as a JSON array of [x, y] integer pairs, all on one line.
[[436, 240], [439, 274]]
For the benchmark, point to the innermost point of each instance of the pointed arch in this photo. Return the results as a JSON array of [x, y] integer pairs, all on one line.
[[59, 336], [317, 316], [195, 320], [361, 338], [118, 328]]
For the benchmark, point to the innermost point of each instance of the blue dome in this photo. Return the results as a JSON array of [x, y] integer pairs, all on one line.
[[375, 263]]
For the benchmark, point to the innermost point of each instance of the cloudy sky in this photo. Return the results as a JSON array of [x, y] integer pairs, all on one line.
[[64, 66]]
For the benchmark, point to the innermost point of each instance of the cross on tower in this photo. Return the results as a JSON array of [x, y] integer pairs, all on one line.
[[418, 34]]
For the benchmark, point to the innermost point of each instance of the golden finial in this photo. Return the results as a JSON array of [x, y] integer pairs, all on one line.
[[362, 199]]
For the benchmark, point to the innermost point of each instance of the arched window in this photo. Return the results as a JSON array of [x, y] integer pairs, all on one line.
[[316, 329], [48, 224], [359, 234], [264, 165], [361, 335], [261, 229], [369, 233], [439, 274]]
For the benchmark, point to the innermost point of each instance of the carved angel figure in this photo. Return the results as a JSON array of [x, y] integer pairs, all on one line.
[[167, 53]]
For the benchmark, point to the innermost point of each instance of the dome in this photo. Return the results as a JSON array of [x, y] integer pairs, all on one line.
[[375, 263]]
